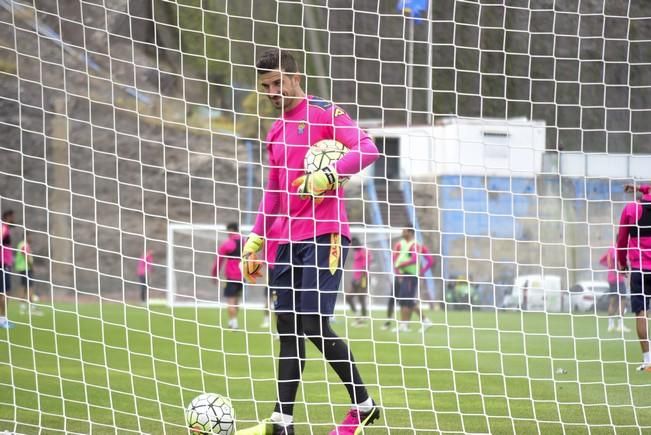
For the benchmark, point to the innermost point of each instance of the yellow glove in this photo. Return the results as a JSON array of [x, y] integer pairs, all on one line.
[[317, 183], [250, 265]]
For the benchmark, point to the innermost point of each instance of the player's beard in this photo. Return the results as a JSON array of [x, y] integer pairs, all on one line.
[[277, 101], [283, 102]]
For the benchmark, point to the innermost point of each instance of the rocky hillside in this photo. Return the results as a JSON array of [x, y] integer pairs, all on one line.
[[94, 172], [119, 119]]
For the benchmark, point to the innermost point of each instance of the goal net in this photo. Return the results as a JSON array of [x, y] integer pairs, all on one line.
[[132, 132]]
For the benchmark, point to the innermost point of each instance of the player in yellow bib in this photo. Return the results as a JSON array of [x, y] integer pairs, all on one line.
[[24, 267], [407, 257]]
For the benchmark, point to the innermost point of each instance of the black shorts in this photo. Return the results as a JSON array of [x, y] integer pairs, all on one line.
[[233, 289], [360, 285], [302, 278], [618, 287], [26, 278], [408, 291], [640, 291]]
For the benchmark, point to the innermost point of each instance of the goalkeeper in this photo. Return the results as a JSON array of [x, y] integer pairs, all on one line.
[[314, 235]]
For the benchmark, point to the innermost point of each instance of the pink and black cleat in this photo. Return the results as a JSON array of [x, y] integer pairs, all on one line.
[[355, 421]]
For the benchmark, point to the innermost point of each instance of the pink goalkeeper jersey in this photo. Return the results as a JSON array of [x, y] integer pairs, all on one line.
[[287, 142], [361, 262]]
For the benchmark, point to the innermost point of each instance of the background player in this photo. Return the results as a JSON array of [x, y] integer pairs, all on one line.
[[634, 252], [407, 256], [24, 267], [228, 258], [6, 264], [314, 235], [144, 272], [618, 292], [359, 286]]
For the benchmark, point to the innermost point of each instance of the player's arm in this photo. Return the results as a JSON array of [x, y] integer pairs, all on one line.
[[267, 211], [362, 151], [429, 261], [30, 258], [607, 260], [215, 268], [394, 254], [222, 255], [622, 236]]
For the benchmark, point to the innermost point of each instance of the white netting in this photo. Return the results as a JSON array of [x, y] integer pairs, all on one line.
[[507, 130], [192, 252]]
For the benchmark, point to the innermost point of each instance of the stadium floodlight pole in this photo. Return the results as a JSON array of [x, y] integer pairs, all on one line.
[[411, 9], [316, 47], [430, 92], [248, 217], [410, 71]]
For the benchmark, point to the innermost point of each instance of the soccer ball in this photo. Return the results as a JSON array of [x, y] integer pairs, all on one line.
[[322, 154], [210, 413]]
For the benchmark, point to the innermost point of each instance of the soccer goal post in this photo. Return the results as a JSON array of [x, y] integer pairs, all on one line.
[[192, 249]]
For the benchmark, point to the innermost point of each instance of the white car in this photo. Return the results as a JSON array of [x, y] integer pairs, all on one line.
[[537, 293], [589, 296]]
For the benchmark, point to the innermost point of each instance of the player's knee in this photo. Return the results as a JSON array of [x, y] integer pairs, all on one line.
[[316, 326], [286, 324], [311, 324]]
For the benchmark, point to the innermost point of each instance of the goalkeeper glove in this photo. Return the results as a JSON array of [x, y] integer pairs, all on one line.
[[317, 183], [250, 265]]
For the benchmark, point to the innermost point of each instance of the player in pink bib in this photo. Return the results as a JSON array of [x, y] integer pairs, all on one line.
[[313, 236], [6, 265], [144, 273], [358, 291], [228, 259]]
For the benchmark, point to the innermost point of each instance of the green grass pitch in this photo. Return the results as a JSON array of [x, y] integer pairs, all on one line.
[[114, 368]]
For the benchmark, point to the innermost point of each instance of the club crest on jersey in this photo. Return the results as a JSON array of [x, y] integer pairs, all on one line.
[[301, 127], [339, 112]]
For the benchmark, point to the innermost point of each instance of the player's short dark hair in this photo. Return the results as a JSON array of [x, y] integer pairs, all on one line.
[[275, 59], [233, 226], [7, 213], [410, 229]]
